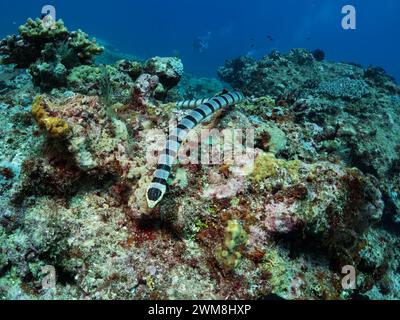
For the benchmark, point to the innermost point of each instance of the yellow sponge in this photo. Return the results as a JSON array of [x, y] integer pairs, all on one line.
[[55, 127]]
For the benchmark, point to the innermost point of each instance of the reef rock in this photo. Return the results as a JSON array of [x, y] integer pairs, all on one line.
[[349, 112], [49, 53], [168, 70], [95, 141], [143, 90]]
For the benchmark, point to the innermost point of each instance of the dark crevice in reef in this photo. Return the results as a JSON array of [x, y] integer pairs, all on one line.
[[88, 183], [358, 296], [339, 250], [85, 183], [299, 244], [162, 218], [5, 270], [361, 163], [65, 277], [154, 223], [387, 222]]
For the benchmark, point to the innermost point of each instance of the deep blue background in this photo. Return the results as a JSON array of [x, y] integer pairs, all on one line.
[[162, 27]]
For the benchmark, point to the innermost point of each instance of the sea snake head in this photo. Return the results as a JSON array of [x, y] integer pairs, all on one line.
[[154, 196]]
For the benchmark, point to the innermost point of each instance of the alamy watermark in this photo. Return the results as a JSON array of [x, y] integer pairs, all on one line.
[[349, 281], [349, 21], [49, 17], [49, 279]]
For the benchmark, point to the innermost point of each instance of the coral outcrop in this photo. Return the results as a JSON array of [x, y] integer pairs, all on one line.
[[143, 90], [339, 105], [168, 70], [49, 52], [81, 124]]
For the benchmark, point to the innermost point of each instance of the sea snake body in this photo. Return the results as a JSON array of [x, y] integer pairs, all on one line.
[[158, 187], [192, 103]]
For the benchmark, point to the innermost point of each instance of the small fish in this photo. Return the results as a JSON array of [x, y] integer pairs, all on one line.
[[308, 38], [270, 38]]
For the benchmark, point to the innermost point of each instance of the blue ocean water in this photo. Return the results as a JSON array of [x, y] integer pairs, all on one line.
[[232, 28]]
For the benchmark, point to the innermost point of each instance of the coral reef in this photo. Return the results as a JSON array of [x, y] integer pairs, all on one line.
[[338, 105], [319, 189], [49, 53]]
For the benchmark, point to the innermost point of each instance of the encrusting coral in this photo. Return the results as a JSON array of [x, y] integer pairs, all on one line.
[[228, 255]]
